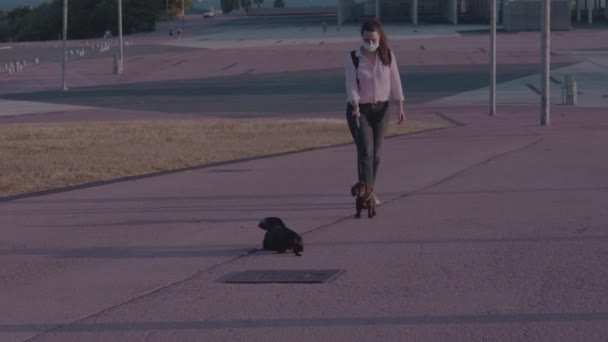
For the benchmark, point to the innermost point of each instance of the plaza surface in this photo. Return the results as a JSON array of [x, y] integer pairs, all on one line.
[[493, 229]]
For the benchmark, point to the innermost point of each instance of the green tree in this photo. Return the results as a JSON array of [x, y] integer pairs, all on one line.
[[4, 28], [42, 23], [17, 20], [246, 4], [18, 13], [104, 17], [141, 15], [87, 19], [176, 7], [279, 3], [230, 5], [258, 2]]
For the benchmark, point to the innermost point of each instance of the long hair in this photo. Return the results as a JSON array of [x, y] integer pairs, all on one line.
[[376, 26]]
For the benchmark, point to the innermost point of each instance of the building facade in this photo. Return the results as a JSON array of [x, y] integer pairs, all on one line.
[[399, 10], [515, 15]]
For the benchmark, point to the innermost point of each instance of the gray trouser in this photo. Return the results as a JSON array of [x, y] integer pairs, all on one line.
[[368, 137]]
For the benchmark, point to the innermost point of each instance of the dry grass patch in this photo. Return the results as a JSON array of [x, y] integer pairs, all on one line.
[[41, 156]]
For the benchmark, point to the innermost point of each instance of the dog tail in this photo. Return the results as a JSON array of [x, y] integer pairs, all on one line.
[[298, 246]]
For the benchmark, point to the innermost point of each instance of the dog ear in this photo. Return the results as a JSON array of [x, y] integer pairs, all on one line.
[[270, 223], [363, 191], [353, 190], [264, 224]]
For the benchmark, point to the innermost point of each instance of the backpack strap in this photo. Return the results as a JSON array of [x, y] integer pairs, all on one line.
[[355, 59], [353, 56]]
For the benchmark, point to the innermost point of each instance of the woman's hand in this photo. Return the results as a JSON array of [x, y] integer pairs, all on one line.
[[401, 114], [356, 112]]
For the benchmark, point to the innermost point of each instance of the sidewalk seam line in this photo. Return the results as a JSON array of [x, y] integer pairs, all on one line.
[[448, 178], [245, 254], [137, 297], [255, 250]]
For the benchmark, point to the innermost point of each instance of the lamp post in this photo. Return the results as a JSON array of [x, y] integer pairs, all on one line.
[[120, 41], [64, 58], [545, 119], [493, 58]]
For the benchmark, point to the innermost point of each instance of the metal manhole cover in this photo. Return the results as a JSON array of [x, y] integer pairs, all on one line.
[[282, 276]]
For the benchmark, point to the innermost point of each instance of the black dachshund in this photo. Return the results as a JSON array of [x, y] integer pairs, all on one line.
[[280, 238]]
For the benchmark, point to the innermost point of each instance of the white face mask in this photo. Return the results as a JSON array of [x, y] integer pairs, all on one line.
[[371, 47]]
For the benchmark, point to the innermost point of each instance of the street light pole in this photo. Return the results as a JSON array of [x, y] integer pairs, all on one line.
[[546, 63], [64, 58], [493, 58], [120, 42]]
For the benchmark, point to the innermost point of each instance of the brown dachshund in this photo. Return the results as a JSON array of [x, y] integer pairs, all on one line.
[[365, 199]]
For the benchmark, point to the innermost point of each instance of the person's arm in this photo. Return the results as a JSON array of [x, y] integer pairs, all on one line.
[[352, 88], [396, 87]]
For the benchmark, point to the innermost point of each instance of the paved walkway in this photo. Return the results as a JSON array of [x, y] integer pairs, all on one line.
[[225, 54], [179, 81], [592, 86], [492, 231]]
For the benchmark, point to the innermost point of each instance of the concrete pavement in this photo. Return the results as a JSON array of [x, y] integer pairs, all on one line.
[[495, 230], [281, 93], [591, 75], [307, 76], [491, 231]]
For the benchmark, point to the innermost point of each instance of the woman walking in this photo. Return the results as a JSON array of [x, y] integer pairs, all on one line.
[[372, 80]]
